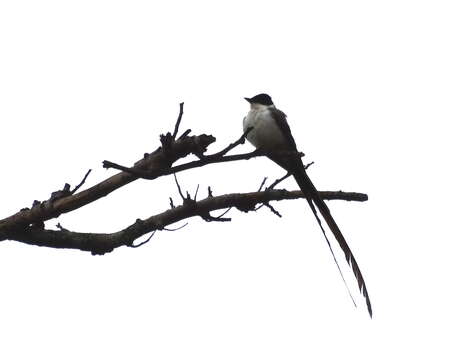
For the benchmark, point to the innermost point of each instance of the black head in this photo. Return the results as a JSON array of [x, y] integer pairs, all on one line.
[[263, 99]]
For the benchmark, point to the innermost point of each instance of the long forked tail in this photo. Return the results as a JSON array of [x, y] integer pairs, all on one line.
[[313, 198]]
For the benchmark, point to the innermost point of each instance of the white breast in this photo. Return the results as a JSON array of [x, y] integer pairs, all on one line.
[[265, 133]]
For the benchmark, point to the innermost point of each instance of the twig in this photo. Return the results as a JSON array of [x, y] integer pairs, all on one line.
[[278, 181], [273, 210], [231, 146], [225, 212], [209, 218], [111, 165], [211, 159], [177, 228], [144, 242], [179, 119], [221, 217], [178, 188], [81, 183], [59, 226], [185, 134], [203, 160], [262, 183], [271, 187], [195, 195]]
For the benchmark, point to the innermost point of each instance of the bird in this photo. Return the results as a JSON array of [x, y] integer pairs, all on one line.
[[267, 129]]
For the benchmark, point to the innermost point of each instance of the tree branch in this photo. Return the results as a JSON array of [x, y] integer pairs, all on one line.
[[158, 161], [99, 243], [27, 225], [218, 157]]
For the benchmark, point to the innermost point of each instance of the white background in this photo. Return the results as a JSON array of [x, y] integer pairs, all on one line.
[[366, 86]]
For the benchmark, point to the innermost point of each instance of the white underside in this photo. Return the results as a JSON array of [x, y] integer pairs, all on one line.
[[265, 134]]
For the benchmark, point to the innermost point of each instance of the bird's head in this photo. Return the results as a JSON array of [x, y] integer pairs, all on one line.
[[260, 99]]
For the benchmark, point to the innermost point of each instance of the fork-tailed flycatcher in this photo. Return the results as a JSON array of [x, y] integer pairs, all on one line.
[[271, 134]]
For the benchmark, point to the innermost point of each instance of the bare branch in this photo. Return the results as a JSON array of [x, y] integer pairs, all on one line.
[[205, 160], [218, 157], [154, 162], [212, 159], [27, 225], [98, 243]]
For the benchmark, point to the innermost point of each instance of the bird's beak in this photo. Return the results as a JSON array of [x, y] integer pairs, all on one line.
[[247, 99]]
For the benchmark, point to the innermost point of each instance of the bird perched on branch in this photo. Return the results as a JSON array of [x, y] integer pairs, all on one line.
[[267, 129]]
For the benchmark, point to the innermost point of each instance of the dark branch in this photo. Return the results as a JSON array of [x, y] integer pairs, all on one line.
[[157, 162], [103, 243], [212, 159], [218, 157]]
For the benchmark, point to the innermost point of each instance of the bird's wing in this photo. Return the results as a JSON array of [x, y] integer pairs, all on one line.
[[281, 121]]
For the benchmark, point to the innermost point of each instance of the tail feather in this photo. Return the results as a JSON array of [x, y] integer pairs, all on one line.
[[312, 206], [313, 198]]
